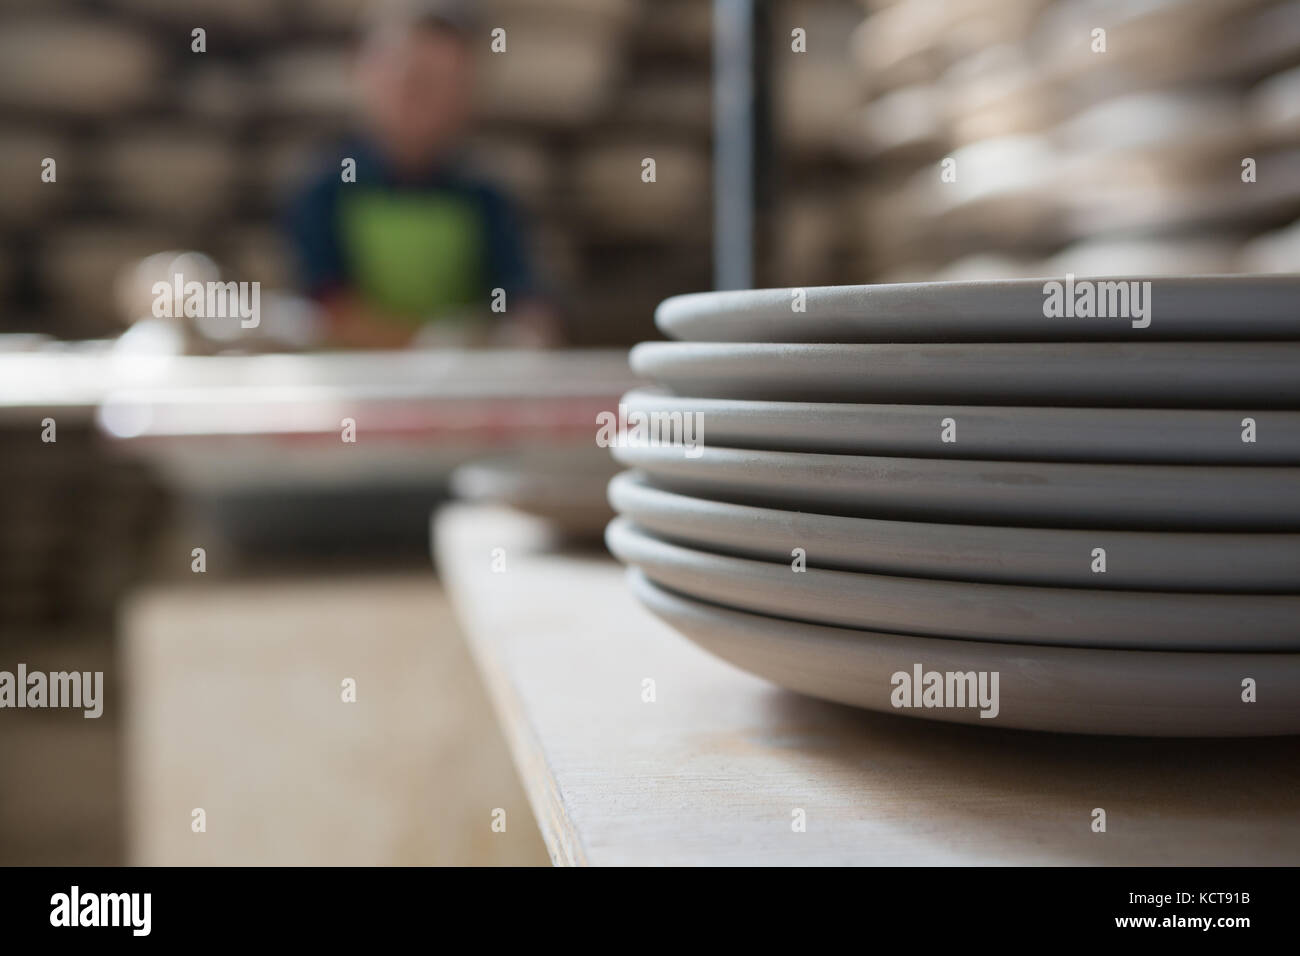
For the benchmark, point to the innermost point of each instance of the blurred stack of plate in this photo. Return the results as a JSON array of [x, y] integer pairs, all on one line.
[[75, 65], [309, 84], [837, 486], [620, 197], [575, 45], [1025, 127], [170, 173]]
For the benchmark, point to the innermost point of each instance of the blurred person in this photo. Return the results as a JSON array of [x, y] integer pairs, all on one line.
[[417, 242]]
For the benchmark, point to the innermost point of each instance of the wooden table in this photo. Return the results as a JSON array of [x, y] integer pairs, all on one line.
[[716, 768]]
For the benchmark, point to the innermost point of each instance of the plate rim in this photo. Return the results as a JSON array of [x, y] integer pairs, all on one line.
[[1129, 716], [911, 596], [635, 488]]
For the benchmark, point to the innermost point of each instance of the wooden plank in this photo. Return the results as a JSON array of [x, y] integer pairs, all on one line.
[[714, 769]]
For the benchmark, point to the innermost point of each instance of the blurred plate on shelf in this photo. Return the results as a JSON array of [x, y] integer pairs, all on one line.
[[170, 173], [564, 485], [906, 124], [1187, 123], [1203, 307], [1051, 494], [980, 265], [1135, 560], [579, 60], [1277, 251], [308, 83], [1061, 689], [606, 180], [1274, 107], [1152, 374], [1182, 256], [1127, 198], [76, 64], [1155, 435]]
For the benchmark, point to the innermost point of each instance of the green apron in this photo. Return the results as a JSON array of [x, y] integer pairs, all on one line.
[[416, 255]]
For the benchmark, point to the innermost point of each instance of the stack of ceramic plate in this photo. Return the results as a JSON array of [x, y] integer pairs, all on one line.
[[979, 501]]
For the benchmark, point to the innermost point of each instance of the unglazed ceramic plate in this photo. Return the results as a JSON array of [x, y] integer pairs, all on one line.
[[1063, 689], [989, 310], [1050, 494], [1134, 560], [988, 431], [1258, 375], [1078, 617]]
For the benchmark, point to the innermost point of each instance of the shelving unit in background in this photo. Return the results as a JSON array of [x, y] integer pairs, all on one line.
[[159, 147], [1071, 157]]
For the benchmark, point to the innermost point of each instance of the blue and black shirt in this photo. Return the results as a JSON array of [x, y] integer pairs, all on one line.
[[421, 248]]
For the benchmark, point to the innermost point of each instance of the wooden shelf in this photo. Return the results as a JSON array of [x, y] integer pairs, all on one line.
[[713, 770]]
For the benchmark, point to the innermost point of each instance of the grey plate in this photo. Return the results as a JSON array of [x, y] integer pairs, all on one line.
[[1051, 494], [1063, 689], [565, 485], [988, 431], [1157, 374], [1162, 561], [1078, 617], [1006, 310]]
